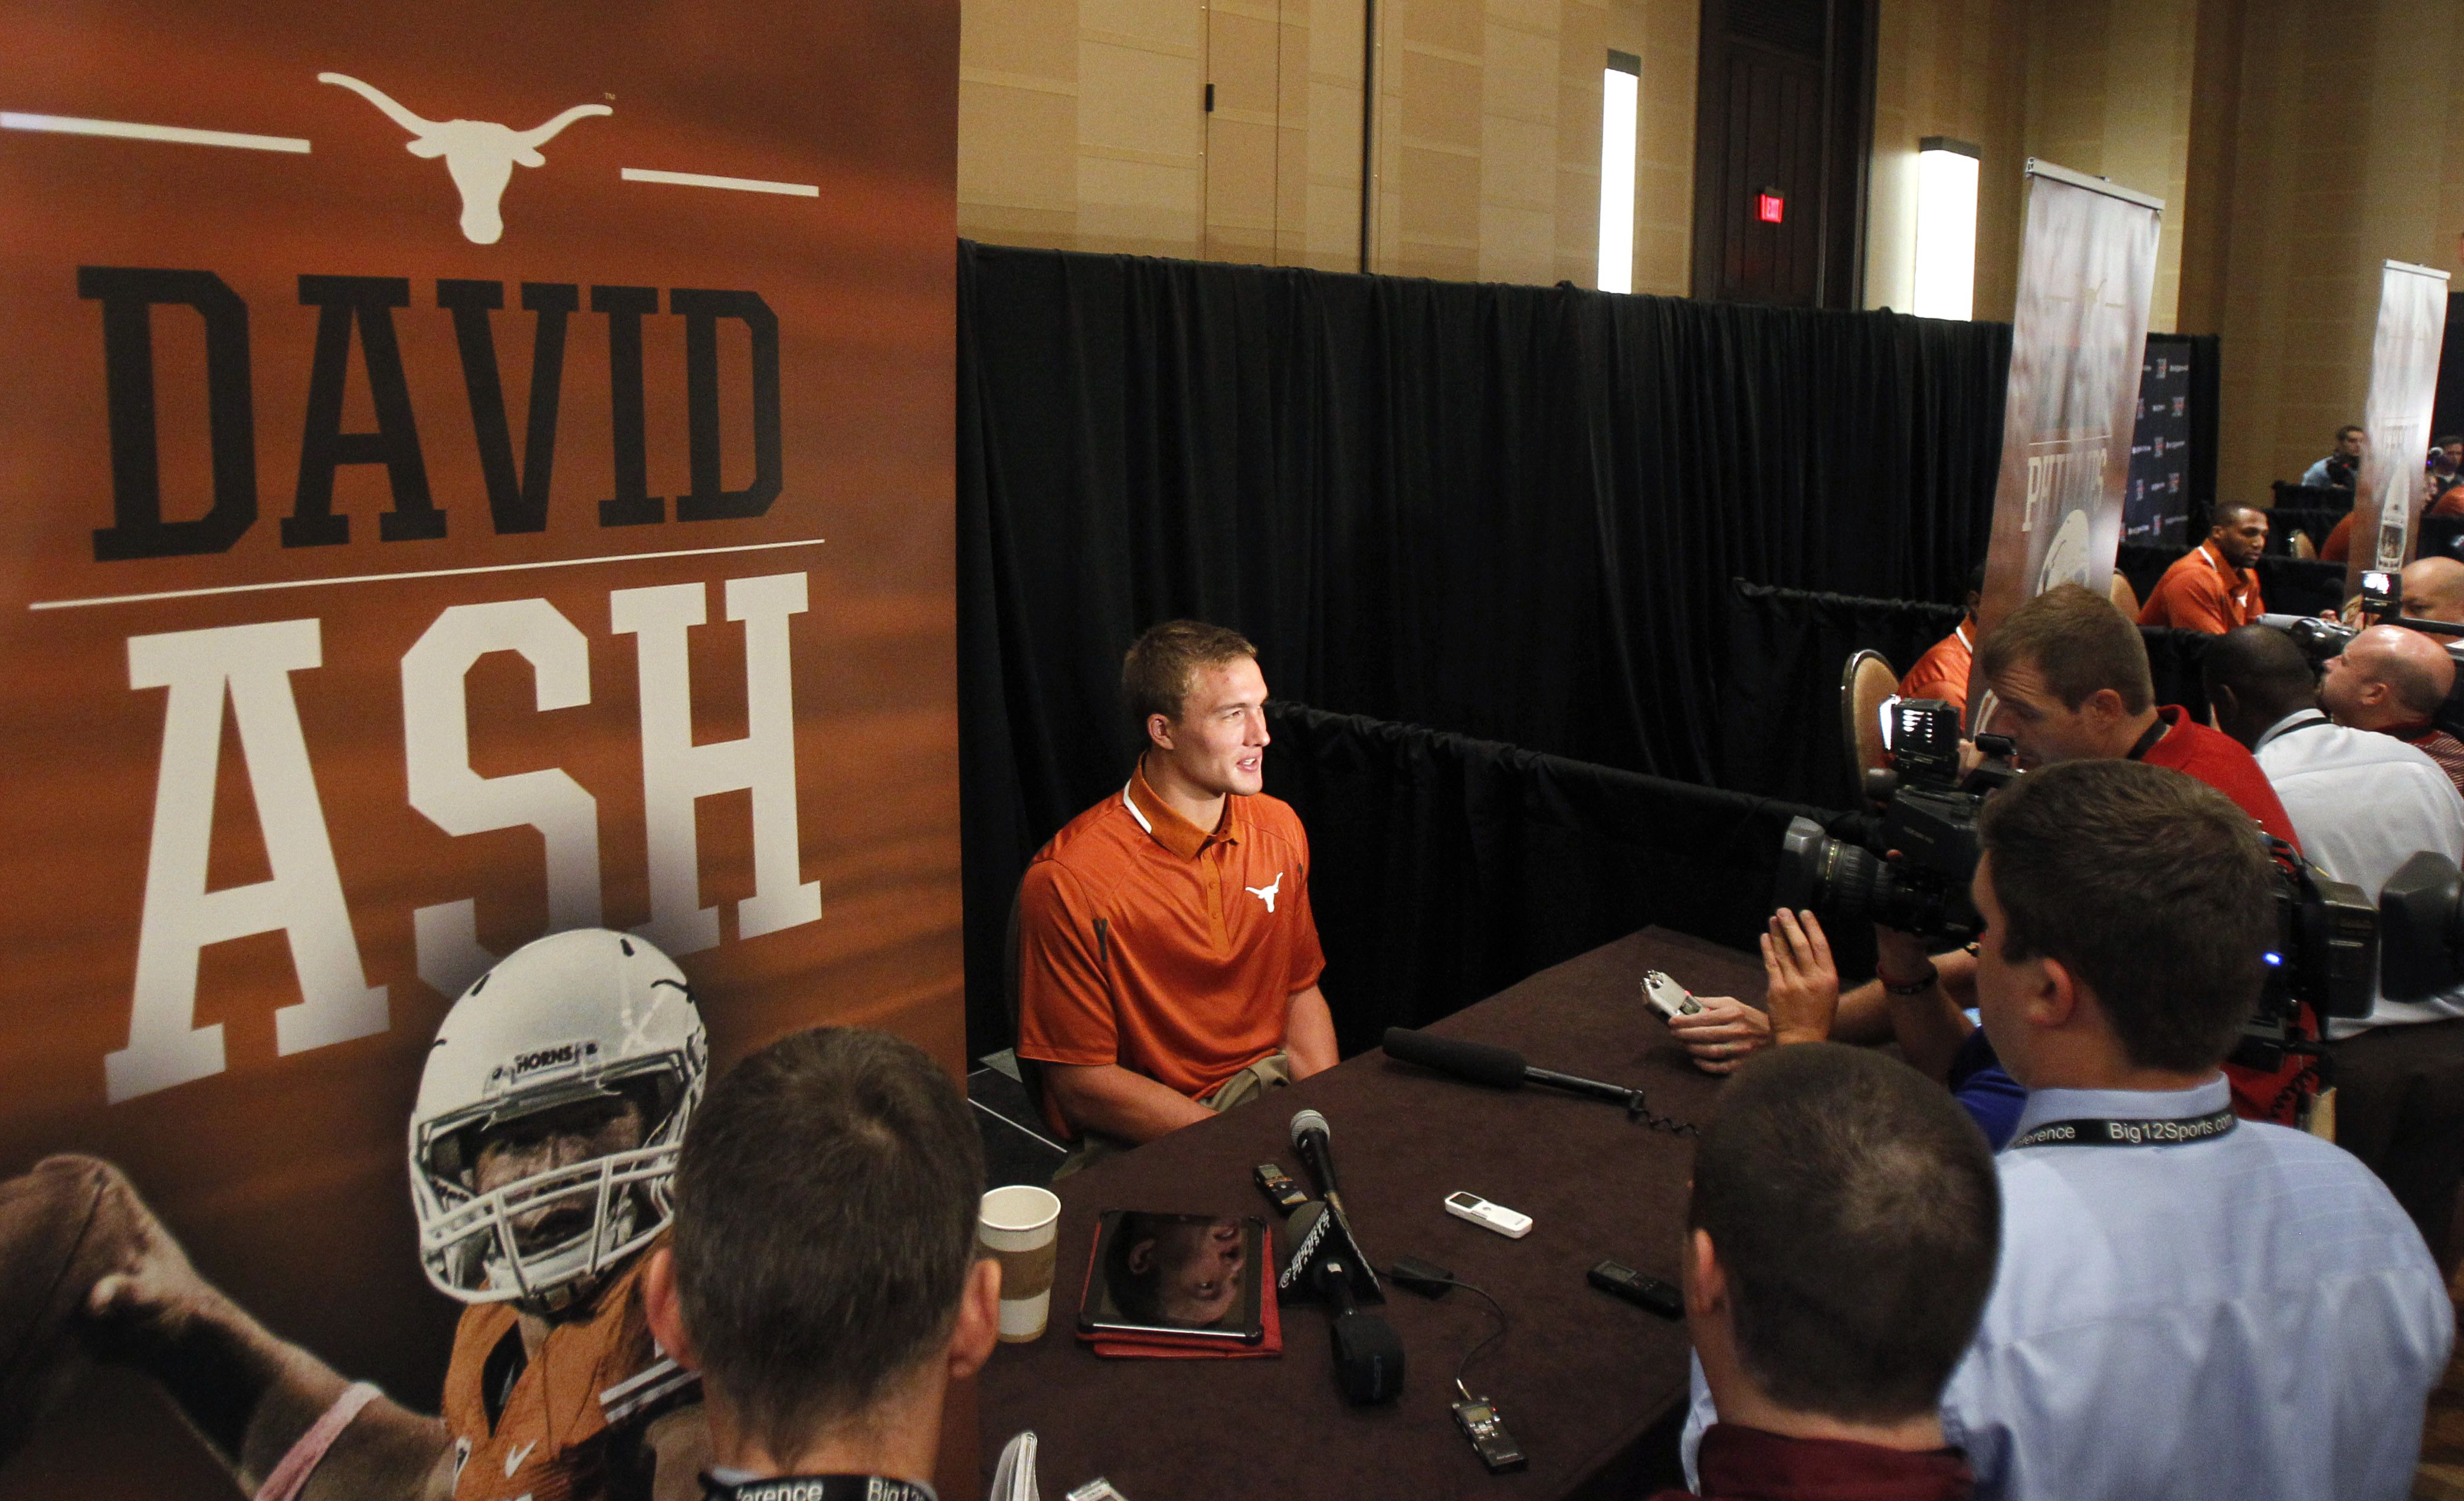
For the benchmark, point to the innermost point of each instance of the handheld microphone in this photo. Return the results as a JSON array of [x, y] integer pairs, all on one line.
[[1499, 1068], [1311, 1139]]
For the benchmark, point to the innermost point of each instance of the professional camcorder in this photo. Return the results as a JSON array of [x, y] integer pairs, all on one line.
[[1906, 867]]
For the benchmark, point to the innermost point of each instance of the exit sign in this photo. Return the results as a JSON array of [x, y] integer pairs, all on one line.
[[1771, 206]]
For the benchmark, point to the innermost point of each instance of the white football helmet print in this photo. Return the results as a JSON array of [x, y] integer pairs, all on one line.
[[574, 1016]]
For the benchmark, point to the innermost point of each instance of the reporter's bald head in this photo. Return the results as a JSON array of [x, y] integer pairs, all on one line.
[[2387, 677], [2433, 589]]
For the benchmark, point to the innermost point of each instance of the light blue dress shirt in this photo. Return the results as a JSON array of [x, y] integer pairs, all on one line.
[[2245, 1317]]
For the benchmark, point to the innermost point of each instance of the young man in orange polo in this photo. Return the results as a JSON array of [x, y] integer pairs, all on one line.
[[1168, 959]]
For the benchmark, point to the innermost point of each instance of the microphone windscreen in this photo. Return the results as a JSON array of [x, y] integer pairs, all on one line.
[[1477, 1062], [1310, 1121]]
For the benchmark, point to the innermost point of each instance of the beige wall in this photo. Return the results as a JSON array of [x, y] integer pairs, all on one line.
[[1082, 126], [2348, 152], [1955, 68]]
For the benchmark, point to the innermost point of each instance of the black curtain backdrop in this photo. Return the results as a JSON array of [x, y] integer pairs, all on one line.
[[1780, 729], [1446, 868], [1507, 511]]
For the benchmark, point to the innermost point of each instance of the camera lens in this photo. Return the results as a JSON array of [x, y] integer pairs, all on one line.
[[1838, 879]]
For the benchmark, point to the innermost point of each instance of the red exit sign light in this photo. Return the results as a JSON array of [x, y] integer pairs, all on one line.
[[1771, 206]]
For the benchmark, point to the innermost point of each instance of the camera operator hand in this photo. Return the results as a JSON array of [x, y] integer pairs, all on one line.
[[1724, 1035], [1804, 985]]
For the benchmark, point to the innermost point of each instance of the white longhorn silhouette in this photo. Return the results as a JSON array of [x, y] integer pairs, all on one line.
[[480, 153]]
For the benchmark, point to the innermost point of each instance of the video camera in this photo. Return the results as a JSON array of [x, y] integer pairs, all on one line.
[[1906, 867]]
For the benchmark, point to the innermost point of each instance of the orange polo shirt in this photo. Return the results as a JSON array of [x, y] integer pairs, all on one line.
[[2201, 591], [1169, 949], [1942, 673]]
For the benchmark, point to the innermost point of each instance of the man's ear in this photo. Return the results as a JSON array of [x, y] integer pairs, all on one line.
[[978, 1328], [1706, 1282], [2052, 998], [1159, 730], [664, 1310], [2104, 704]]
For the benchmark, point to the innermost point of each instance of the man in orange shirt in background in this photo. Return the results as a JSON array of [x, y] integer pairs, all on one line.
[[2212, 587], [1168, 957], [1942, 673]]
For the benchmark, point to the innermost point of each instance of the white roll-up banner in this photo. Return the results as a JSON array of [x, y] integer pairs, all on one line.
[[2087, 268], [2404, 386]]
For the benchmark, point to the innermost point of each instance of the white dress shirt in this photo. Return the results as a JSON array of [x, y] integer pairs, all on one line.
[[2245, 1317], [2364, 804]]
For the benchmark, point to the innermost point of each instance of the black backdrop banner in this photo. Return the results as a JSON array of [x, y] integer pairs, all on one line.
[[1509, 512]]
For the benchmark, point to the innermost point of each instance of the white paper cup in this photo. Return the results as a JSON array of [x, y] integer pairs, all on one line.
[[1021, 1227]]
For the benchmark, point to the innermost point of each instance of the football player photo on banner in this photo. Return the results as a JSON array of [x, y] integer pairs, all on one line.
[[2087, 269], [2403, 390], [477, 627]]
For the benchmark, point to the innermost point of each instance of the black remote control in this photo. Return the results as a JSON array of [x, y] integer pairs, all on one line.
[[1647, 1293]]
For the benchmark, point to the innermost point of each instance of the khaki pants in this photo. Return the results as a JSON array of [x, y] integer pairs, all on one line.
[[1271, 1073]]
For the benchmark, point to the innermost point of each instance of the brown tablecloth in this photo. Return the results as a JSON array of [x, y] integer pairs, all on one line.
[[1579, 1377]]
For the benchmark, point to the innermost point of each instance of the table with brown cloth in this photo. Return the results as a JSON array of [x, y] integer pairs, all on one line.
[[1580, 1379]]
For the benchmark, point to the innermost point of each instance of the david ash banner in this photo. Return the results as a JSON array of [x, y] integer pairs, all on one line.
[[2403, 390], [476, 622], [2087, 269]]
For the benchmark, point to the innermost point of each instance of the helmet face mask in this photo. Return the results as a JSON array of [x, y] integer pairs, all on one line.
[[573, 1018]]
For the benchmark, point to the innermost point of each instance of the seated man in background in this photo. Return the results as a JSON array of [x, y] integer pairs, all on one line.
[[2188, 1305], [1942, 673], [823, 1276], [2364, 803], [1169, 960], [2394, 680], [2212, 587], [2444, 468], [1843, 1225], [2339, 470]]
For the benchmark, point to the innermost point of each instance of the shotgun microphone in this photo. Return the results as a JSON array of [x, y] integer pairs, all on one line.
[[1499, 1068]]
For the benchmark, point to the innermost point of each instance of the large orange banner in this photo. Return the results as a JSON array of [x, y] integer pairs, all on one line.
[[473, 471]]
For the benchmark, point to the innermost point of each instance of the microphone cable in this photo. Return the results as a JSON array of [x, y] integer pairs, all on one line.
[[1492, 1337]]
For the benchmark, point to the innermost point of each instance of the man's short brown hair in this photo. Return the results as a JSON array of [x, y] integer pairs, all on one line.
[[825, 1224], [1157, 673], [2150, 887], [2079, 642], [1855, 1209]]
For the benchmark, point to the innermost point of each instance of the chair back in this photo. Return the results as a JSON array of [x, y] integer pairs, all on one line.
[[1864, 683]]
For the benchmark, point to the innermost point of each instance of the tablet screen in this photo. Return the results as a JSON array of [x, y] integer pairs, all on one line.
[[1176, 1274]]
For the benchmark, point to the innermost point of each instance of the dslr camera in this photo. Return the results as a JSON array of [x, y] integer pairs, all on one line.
[[1907, 866]]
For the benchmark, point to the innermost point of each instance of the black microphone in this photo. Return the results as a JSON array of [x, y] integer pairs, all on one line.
[[1501, 1067], [1368, 1352], [1310, 1140]]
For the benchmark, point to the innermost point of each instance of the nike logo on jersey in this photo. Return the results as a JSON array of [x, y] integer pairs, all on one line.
[[514, 1460], [1266, 893]]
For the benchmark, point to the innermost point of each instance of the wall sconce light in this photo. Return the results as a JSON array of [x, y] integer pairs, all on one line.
[[1620, 107], [1946, 279]]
